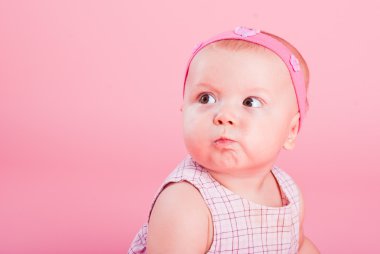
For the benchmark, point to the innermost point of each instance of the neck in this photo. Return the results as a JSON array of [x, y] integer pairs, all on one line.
[[245, 181]]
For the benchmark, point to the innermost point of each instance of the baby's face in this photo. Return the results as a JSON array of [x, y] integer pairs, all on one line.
[[237, 109]]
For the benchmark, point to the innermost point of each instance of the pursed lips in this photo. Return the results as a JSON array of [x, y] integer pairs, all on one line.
[[224, 141]]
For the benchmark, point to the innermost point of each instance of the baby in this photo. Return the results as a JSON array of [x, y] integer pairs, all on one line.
[[244, 100]]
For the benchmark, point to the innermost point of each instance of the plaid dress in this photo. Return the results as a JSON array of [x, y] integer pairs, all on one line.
[[240, 225]]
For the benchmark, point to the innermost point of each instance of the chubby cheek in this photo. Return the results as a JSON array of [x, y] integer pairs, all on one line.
[[195, 130], [193, 142]]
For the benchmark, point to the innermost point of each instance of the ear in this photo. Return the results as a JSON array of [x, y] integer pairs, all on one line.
[[290, 142]]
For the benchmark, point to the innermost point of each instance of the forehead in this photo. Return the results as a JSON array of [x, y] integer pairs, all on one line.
[[250, 68]]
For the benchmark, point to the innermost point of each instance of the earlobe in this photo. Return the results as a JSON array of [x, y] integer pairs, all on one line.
[[289, 144]]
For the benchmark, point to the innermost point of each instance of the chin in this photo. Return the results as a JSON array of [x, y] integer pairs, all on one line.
[[226, 164], [217, 164]]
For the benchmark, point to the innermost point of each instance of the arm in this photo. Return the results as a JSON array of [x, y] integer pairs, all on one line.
[[308, 247], [305, 245], [179, 221]]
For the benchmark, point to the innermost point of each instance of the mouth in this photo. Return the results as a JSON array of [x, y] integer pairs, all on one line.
[[223, 141]]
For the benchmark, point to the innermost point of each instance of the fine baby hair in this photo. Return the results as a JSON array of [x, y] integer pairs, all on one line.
[[244, 99]]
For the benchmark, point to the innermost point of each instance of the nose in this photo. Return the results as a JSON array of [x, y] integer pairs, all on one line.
[[225, 116]]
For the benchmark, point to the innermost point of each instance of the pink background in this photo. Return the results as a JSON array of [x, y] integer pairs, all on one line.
[[90, 125]]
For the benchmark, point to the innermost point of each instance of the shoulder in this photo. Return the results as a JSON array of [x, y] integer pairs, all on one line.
[[302, 215], [179, 222], [305, 244]]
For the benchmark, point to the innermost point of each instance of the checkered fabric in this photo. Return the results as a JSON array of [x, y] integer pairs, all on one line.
[[240, 225]]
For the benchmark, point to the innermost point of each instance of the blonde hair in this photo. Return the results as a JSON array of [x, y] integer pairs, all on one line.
[[232, 44]]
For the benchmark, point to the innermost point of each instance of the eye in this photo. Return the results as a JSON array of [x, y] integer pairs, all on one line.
[[207, 98], [252, 102]]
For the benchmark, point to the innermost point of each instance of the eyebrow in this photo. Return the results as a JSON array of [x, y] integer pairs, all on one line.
[[205, 85], [261, 90]]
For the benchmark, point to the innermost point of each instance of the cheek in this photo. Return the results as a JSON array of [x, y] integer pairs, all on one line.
[[194, 120], [193, 139], [188, 125], [258, 129], [196, 126]]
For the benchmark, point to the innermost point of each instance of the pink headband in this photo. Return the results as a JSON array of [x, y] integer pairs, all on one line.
[[255, 36]]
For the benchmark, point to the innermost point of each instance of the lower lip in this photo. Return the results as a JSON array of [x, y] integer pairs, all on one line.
[[224, 142]]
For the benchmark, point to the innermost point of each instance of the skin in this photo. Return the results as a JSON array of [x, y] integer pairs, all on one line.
[[239, 112]]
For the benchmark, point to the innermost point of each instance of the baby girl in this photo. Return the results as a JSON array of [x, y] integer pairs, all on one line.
[[244, 101]]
